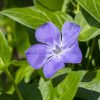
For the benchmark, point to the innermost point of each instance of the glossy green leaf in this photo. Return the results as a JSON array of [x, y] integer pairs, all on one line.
[[46, 89], [93, 85], [61, 72], [29, 17], [33, 17], [87, 31], [57, 17], [92, 6], [90, 19], [51, 4], [5, 51], [63, 17], [67, 89]]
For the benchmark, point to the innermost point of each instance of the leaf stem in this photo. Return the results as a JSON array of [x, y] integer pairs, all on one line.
[[64, 6], [90, 53], [13, 82]]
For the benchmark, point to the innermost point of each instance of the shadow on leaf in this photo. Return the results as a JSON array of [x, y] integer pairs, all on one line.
[[85, 94]]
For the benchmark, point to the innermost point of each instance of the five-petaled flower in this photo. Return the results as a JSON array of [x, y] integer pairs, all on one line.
[[56, 48]]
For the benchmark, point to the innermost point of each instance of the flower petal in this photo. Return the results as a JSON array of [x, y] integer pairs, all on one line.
[[48, 33], [72, 54], [70, 32], [52, 66], [37, 55]]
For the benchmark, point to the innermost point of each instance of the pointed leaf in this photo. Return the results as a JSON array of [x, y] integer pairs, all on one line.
[[92, 7], [67, 89], [93, 85], [46, 89], [51, 4], [87, 32], [28, 16], [5, 51]]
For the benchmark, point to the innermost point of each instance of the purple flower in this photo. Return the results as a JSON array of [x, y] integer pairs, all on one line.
[[55, 48]]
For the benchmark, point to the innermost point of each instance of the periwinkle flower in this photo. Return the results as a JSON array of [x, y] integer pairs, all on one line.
[[55, 49]]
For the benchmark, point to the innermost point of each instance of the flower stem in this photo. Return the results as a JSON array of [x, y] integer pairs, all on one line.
[[64, 6], [90, 53], [13, 82]]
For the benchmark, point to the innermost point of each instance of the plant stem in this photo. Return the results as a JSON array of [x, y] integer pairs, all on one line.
[[13, 82], [78, 8], [64, 6], [90, 53]]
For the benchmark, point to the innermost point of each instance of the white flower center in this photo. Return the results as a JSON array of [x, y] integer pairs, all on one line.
[[57, 50]]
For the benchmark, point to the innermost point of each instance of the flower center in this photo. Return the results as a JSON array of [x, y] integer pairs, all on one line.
[[57, 50]]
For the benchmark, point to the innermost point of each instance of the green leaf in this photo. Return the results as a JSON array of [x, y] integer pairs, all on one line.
[[87, 31], [27, 72], [23, 73], [50, 4], [33, 17], [90, 19], [61, 72], [5, 51], [63, 17], [46, 89], [28, 16], [91, 6], [94, 84], [57, 17], [67, 89]]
